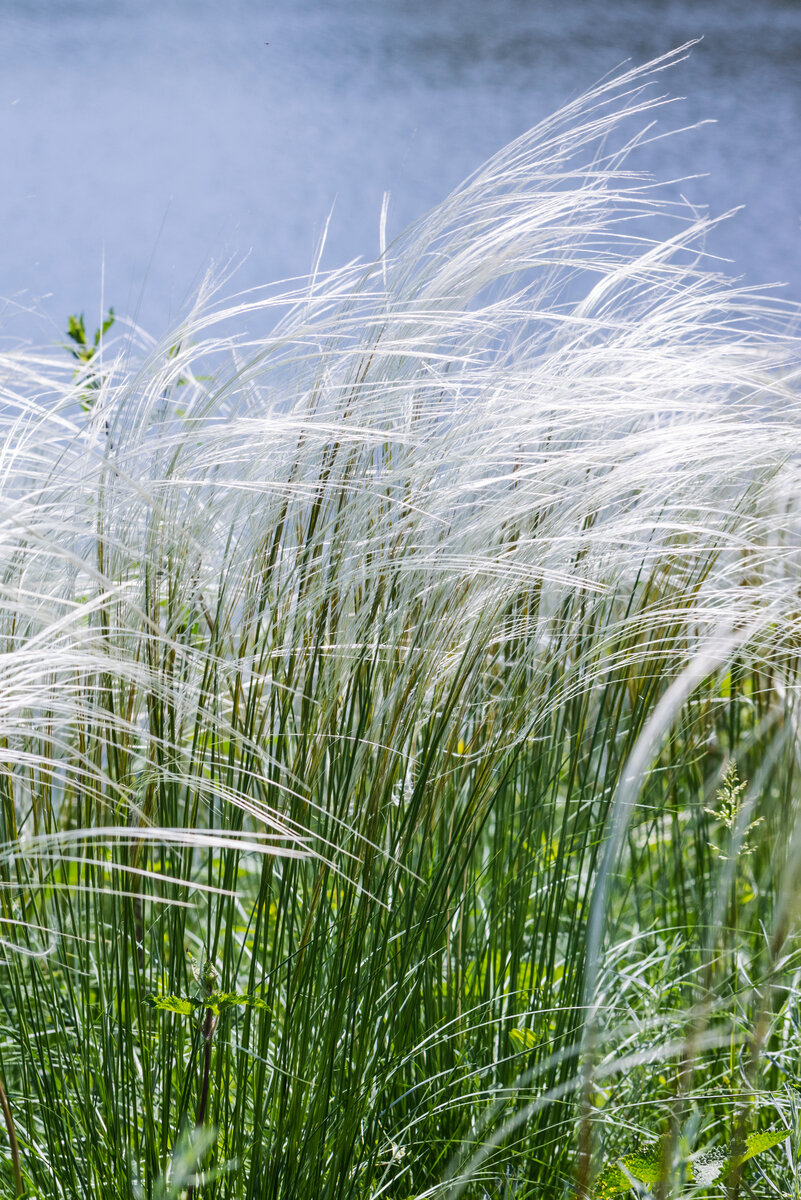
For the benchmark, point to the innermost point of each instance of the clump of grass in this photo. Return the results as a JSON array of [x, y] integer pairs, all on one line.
[[386, 656]]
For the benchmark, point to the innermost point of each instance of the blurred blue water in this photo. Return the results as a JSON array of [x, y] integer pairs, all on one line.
[[142, 139]]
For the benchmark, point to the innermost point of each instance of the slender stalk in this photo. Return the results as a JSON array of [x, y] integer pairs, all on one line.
[[207, 1033], [209, 1025], [12, 1141]]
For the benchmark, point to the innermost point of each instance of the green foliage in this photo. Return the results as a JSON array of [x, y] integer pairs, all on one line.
[[647, 1166], [176, 1004], [644, 1166], [217, 1002], [364, 693], [523, 1039], [220, 1002], [755, 1143], [84, 351]]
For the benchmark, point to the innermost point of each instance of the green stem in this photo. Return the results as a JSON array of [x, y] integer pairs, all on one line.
[[209, 1025], [12, 1140]]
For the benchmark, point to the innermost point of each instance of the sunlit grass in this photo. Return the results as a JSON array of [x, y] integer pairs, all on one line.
[[388, 657]]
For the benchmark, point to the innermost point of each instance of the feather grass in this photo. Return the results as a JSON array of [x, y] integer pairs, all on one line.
[[387, 656]]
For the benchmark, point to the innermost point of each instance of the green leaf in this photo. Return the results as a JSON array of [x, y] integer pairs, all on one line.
[[523, 1039], [76, 330], [755, 1143], [176, 1004], [104, 328], [645, 1166], [611, 1182], [218, 1002]]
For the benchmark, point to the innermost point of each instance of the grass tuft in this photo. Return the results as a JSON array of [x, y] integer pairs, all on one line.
[[384, 645]]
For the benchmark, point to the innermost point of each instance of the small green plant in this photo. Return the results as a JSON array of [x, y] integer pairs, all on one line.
[[84, 351], [207, 1005], [215, 1002], [647, 1166]]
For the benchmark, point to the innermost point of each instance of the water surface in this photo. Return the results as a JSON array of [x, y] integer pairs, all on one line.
[[142, 140]]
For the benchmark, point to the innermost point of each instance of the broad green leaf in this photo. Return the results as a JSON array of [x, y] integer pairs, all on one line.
[[643, 1165], [220, 1001], [524, 1039], [755, 1143], [646, 1165], [611, 1182], [176, 1004]]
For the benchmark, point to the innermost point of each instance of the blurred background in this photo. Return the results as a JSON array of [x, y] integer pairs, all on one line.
[[142, 140]]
